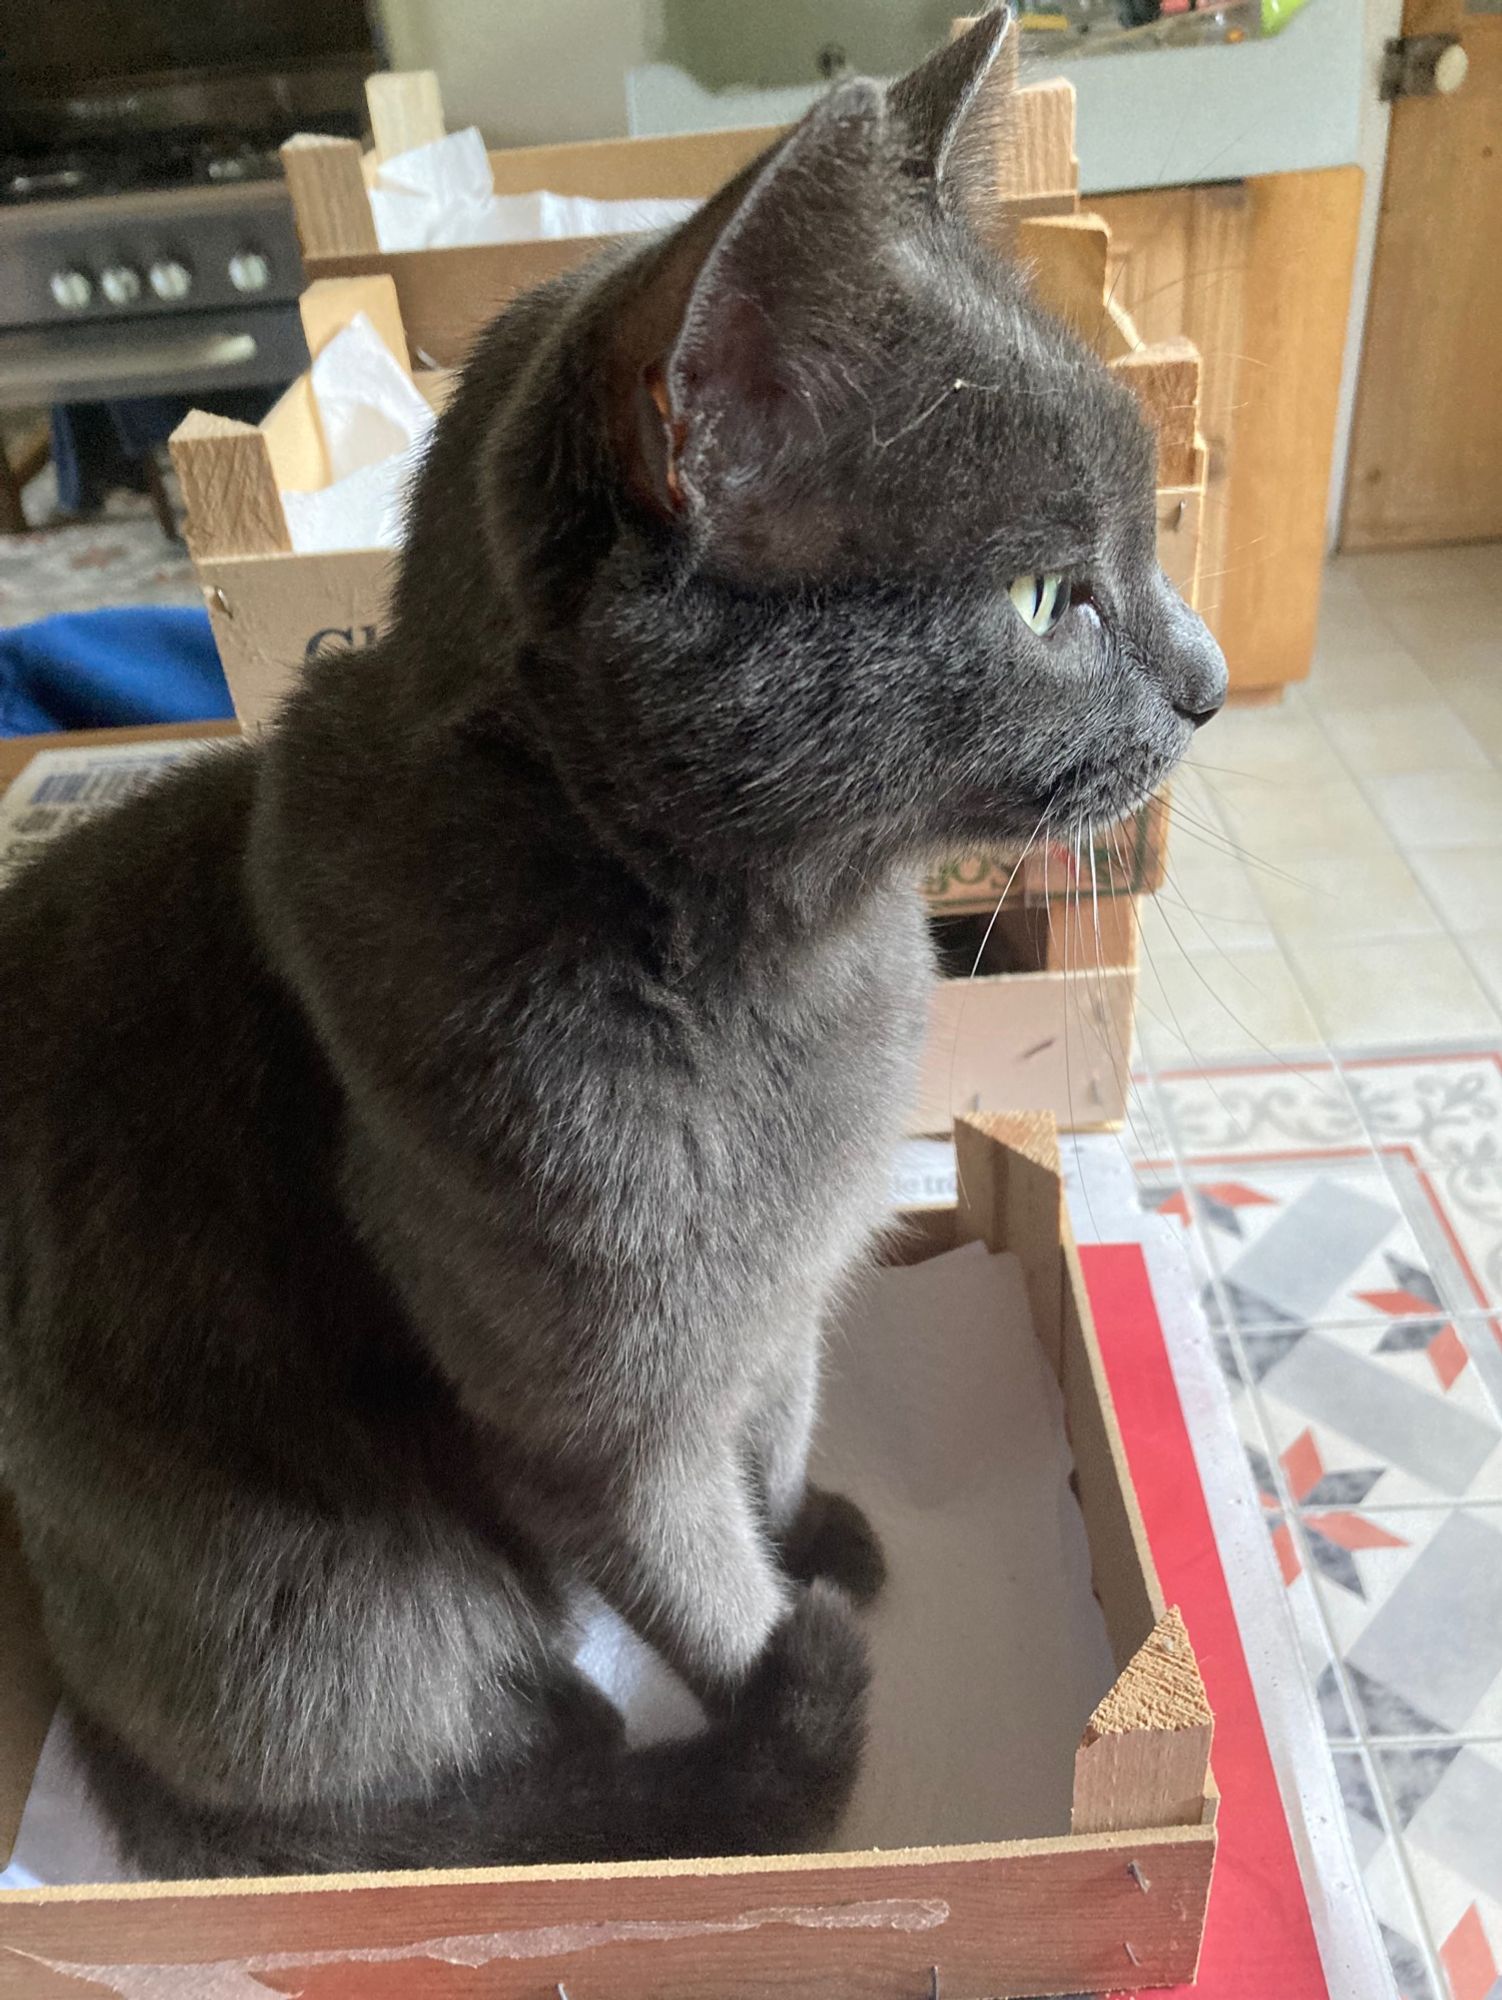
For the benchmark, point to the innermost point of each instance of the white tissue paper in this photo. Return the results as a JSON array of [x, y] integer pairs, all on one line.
[[376, 426], [442, 194]]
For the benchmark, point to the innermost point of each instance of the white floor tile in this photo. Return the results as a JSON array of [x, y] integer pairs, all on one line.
[[1401, 737], [1441, 808], [1464, 883], [1350, 898], [1191, 1009], [1417, 990], [1354, 675], [1284, 822], [1484, 950]]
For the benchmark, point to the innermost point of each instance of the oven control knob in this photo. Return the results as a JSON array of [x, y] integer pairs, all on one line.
[[249, 271], [73, 289], [170, 278], [120, 283]]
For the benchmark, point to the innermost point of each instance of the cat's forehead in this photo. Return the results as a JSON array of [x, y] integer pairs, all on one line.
[[982, 428]]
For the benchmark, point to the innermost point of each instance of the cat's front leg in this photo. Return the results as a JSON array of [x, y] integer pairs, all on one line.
[[818, 1534], [685, 1558]]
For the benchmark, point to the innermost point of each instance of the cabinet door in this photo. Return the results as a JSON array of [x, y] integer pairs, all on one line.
[[1257, 274], [1426, 449]]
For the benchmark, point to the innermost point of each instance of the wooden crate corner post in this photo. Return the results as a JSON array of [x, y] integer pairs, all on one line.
[[330, 205], [229, 488], [406, 110], [1144, 1759], [1011, 1197]]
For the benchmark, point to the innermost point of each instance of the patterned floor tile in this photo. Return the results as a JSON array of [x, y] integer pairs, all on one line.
[[1413, 1600], [1444, 1800], [1311, 1637], [1330, 1236], [1275, 1109], [1442, 1115], [1389, 1412], [1380, 1859]]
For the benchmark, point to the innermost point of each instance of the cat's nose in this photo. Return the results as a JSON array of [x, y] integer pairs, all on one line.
[[1196, 666], [1200, 716]]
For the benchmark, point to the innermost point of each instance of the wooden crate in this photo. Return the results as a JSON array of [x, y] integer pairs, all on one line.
[[448, 295], [1116, 1904]]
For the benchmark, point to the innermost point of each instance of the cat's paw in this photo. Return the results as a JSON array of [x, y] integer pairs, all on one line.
[[833, 1540]]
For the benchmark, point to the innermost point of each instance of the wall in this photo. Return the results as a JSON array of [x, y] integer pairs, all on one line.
[[526, 71]]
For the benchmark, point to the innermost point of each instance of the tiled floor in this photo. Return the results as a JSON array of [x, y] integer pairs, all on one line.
[[1319, 1109]]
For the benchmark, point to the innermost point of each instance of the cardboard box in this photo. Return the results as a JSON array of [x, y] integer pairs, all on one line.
[[1118, 1903]]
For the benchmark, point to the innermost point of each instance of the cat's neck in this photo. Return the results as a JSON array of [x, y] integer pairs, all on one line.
[[706, 911]]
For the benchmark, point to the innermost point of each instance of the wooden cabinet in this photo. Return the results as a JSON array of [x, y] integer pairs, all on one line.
[[1257, 273]]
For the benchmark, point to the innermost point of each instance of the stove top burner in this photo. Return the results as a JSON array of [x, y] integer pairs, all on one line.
[[164, 161]]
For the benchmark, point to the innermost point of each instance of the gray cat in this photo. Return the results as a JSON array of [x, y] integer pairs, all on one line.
[[432, 1137]]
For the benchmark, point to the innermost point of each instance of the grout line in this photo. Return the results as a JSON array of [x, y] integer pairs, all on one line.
[[1363, 784]]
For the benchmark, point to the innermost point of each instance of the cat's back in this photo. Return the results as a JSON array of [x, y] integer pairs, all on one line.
[[118, 939], [163, 1112]]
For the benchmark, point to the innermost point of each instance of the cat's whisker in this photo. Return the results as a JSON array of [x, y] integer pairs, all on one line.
[[954, 1054]]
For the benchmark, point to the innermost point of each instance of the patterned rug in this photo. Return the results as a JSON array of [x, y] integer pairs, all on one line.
[[121, 557]]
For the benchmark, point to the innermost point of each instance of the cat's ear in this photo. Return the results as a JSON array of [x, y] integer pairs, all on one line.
[[720, 354], [954, 109]]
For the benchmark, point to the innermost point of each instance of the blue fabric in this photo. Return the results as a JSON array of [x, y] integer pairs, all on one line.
[[110, 669]]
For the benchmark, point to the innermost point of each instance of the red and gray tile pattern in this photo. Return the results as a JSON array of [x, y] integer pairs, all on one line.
[[1345, 1221]]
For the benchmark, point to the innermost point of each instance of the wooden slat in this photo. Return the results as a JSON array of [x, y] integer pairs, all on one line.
[[329, 203], [447, 297], [294, 439], [1011, 1197], [406, 110], [1126, 1578], [229, 488], [1178, 263], [1180, 522], [270, 616], [682, 166], [1144, 1759], [1038, 158], [1068, 255], [1044, 1917], [1048, 1041], [329, 304], [1426, 445], [1165, 378]]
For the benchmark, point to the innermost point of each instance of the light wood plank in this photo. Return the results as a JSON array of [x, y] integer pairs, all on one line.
[[406, 110], [329, 304]]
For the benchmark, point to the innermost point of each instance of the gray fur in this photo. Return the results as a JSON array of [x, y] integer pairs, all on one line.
[[432, 1139]]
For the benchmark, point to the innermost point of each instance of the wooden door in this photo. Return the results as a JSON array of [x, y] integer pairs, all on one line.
[[1426, 449]]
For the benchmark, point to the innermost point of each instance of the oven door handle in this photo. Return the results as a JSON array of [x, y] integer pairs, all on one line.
[[199, 351]]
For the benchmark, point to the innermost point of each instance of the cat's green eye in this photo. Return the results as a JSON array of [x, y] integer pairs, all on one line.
[[1041, 600]]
